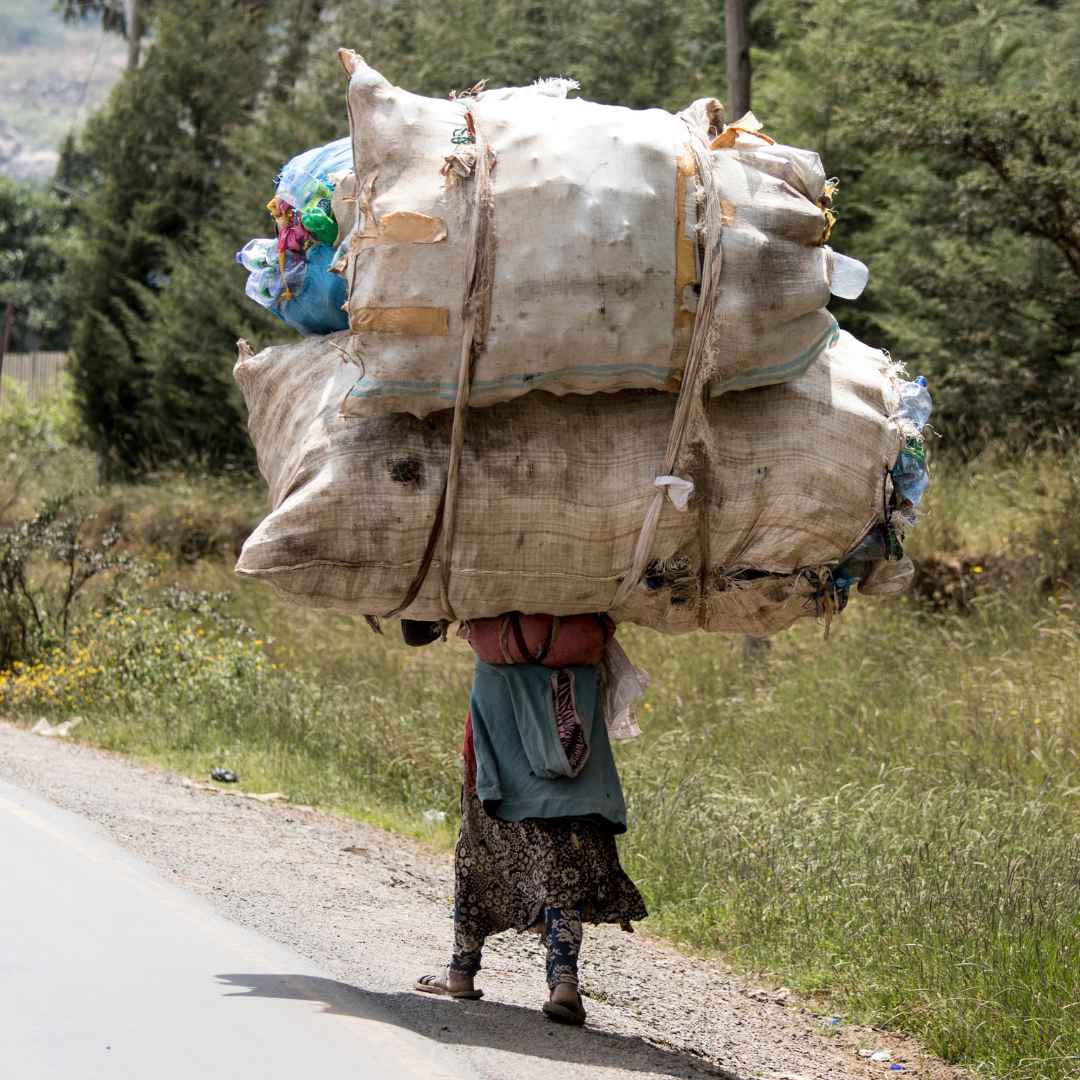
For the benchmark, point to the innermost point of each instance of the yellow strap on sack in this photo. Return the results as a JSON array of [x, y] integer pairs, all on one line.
[[825, 205]]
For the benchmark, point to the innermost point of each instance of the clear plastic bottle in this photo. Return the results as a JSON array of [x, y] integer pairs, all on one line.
[[915, 403], [909, 474], [255, 254]]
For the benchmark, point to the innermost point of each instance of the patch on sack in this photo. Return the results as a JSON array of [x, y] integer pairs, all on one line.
[[405, 227], [402, 320]]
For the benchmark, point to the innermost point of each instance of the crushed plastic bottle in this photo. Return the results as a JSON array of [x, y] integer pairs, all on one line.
[[909, 475], [257, 254], [305, 180], [910, 478], [260, 258], [874, 545], [843, 578], [915, 403]]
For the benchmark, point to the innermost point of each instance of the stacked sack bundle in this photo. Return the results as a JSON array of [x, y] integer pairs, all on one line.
[[588, 367]]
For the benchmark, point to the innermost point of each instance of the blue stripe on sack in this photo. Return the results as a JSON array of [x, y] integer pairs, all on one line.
[[365, 388], [786, 372], [790, 369]]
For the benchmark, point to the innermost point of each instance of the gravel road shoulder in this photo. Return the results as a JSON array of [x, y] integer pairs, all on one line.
[[374, 909]]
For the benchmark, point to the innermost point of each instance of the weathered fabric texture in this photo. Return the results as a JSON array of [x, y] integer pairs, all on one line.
[[553, 492], [596, 249], [523, 766], [507, 872]]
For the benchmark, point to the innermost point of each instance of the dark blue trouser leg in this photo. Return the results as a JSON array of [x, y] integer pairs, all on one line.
[[562, 930], [467, 948]]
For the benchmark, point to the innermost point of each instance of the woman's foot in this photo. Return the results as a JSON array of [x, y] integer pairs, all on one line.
[[450, 983], [564, 1005]]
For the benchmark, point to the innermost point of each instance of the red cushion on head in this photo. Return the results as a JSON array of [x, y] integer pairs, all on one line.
[[553, 642]]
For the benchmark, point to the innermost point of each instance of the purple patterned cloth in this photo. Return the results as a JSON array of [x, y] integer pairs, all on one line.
[[571, 733]]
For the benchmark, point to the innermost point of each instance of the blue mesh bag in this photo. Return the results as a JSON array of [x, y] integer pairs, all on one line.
[[318, 295]]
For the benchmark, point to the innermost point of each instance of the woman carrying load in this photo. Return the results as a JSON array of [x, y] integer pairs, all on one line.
[[541, 803]]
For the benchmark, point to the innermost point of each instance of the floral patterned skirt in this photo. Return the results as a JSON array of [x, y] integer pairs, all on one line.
[[507, 872]]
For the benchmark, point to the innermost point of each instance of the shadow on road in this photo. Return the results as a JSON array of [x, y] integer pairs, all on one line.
[[481, 1023]]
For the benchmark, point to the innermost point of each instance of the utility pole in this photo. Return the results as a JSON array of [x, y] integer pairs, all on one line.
[[737, 36], [134, 33], [9, 318]]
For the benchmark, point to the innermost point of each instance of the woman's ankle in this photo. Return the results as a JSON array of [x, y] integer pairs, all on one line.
[[459, 980]]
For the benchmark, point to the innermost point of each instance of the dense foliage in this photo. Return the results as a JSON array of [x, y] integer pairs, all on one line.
[[156, 164], [955, 130], [33, 235]]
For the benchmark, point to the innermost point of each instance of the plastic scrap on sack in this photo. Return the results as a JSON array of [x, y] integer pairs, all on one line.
[[623, 684], [290, 275], [679, 489], [877, 564], [849, 276], [910, 478]]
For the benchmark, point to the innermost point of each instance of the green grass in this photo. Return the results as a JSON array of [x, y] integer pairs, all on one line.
[[886, 821]]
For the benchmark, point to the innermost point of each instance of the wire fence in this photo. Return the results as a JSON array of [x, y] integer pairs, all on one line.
[[36, 371]]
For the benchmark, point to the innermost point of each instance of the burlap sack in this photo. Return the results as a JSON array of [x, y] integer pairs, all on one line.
[[553, 491], [596, 251]]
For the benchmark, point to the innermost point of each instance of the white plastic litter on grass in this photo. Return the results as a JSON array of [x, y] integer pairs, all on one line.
[[43, 727]]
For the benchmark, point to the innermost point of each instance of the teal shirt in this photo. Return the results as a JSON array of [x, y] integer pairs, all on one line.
[[521, 769]]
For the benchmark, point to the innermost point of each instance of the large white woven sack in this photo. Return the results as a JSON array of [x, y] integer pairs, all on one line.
[[596, 255], [553, 491]]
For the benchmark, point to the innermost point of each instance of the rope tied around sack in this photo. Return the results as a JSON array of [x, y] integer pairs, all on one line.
[[475, 309], [825, 205], [690, 420]]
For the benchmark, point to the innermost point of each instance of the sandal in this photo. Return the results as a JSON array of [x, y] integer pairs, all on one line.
[[436, 984], [562, 1015]]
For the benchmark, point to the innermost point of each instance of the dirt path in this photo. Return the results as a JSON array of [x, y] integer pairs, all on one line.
[[374, 909]]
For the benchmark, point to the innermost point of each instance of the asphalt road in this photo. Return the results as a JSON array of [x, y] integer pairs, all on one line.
[[107, 969]]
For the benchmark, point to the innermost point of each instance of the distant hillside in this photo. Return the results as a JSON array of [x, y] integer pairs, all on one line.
[[48, 80]]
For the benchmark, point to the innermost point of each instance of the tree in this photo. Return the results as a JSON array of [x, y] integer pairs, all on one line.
[[33, 234], [953, 127], [639, 53], [126, 19], [152, 162]]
